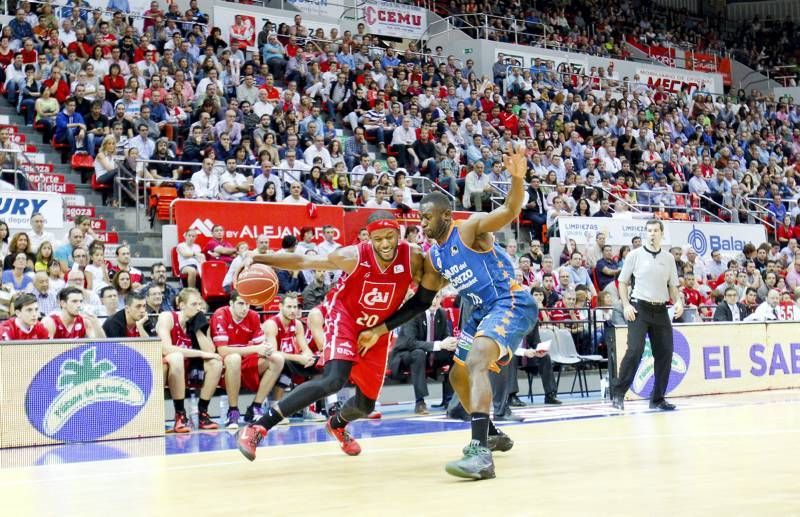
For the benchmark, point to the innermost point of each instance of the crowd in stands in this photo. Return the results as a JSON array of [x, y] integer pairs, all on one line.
[[600, 28]]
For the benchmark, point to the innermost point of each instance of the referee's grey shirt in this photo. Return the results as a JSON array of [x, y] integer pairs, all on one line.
[[651, 273]]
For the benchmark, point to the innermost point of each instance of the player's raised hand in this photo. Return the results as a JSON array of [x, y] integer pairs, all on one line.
[[516, 163], [366, 340]]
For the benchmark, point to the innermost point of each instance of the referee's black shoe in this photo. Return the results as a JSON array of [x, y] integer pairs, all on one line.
[[662, 406], [618, 401], [477, 463], [499, 442]]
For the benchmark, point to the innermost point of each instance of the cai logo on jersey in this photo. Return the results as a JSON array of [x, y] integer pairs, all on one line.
[[73, 397], [377, 295], [681, 357]]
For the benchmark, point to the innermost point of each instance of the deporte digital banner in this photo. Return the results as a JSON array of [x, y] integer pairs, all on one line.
[[712, 358], [58, 391]]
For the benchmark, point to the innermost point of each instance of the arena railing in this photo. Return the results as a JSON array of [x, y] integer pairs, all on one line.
[[472, 22]]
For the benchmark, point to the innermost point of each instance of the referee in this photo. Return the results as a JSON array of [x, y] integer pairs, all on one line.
[[655, 280]]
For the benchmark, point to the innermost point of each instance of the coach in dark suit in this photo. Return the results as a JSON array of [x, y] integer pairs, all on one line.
[[427, 339], [729, 309]]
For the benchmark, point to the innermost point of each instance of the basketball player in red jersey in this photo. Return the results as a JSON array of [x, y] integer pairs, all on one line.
[[237, 334], [24, 326], [179, 331], [68, 323], [286, 334], [378, 275]]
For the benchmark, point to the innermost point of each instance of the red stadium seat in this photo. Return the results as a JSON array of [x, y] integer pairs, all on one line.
[[105, 190], [273, 306], [213, 273], [176, 272]]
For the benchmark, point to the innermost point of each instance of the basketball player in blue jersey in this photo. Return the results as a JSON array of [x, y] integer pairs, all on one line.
[[464, 254]]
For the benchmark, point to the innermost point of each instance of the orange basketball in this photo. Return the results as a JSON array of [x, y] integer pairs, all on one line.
[[257, 284]]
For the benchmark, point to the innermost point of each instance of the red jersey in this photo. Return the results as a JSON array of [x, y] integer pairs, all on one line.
[[226, 331], [78, 330], [136, 275], [365, 298], [178, 334], [11, 331], [693, 296], [286, 338], [371, 294]]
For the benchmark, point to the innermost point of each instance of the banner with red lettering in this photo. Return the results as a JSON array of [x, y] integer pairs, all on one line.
[[673, 80], [393, 19], [245, 221], [664, 55], [710, 63]]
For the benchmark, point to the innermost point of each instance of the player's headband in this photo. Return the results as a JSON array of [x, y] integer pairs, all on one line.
[[382, 224]]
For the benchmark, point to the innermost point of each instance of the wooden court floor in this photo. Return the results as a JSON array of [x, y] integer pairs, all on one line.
[[731, 459]]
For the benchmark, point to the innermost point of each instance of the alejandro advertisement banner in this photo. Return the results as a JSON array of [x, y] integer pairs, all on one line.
[[712, 358], [57, 391], [245, 221]]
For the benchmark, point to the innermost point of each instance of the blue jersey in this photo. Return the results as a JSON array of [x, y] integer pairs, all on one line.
[[502, 310], [482, 276]]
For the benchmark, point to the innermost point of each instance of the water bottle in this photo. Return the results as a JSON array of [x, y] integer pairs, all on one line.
[[603, 388], [193, 407], [223, 408], [661, 206]]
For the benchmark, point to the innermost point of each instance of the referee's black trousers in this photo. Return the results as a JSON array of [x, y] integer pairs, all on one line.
[[653, 321]]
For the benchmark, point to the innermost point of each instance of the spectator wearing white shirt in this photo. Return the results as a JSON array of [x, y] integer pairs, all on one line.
[[477, 188], [206, 180], [767, 311], [233, 185], [359, 171], [296, 194], [291, 168], [403, 138], [379, 201], [143, 143], [263, 106], [265, 177], [318, 149], [38, 235]]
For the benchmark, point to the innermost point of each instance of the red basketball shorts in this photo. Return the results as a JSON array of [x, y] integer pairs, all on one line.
[[341, 343]]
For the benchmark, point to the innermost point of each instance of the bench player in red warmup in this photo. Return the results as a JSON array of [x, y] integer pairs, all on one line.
[[69, 323], [248, 359], [25, 324], [378, 273]]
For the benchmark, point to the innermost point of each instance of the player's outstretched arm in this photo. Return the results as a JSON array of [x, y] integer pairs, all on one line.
[[477, 224], [344, 259]]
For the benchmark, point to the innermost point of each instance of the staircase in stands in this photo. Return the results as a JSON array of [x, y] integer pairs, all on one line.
[[47, 173]]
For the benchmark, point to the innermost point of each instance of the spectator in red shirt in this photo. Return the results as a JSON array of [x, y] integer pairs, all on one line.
[[217, 248], [690, 292], [80, 46], [29, 53], [58, 86], [786, 231], [24, 325]]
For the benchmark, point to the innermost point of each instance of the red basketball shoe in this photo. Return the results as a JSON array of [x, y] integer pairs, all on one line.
[[347, 442], [248, 438], [181, 423]]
